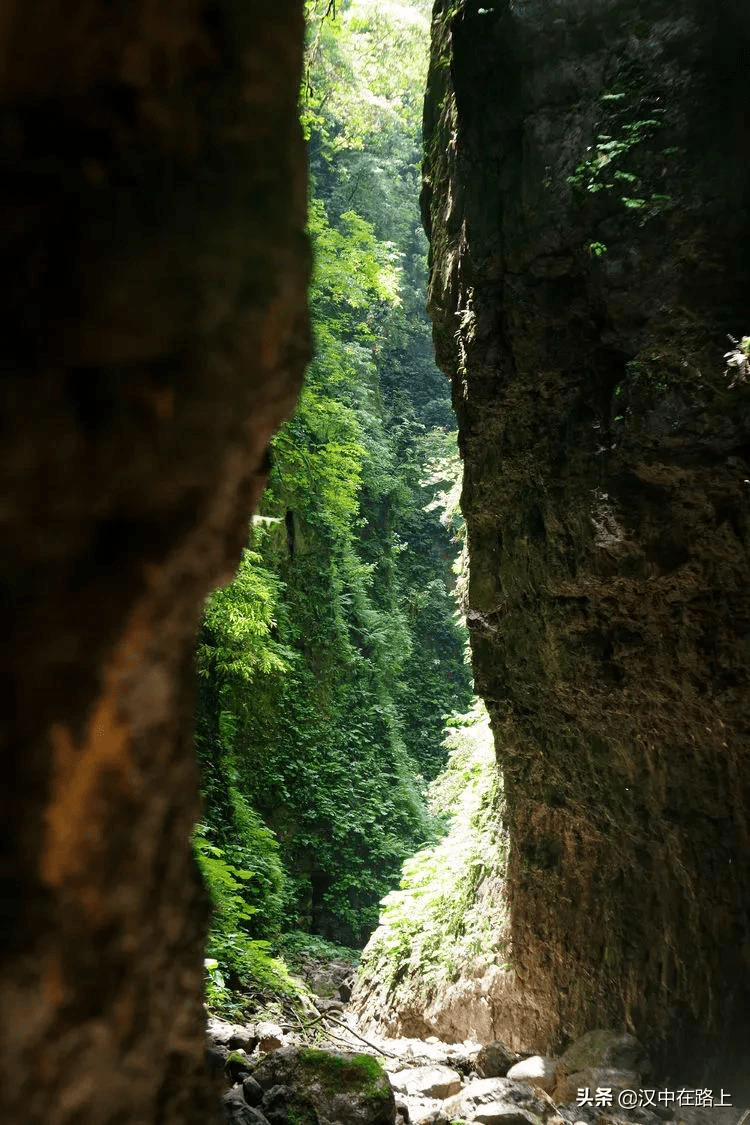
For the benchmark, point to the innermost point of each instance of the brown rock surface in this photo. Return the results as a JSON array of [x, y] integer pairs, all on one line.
[[606, 496], [154, 334]]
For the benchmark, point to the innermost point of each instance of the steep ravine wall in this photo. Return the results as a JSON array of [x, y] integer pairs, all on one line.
[[154, 332], [606, 495]]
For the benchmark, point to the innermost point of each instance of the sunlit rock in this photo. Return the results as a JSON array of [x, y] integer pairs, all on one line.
[[537, 1070], [592, 1078], [427, 1081], [497, 1100], [494, 1060], [605, 1048]]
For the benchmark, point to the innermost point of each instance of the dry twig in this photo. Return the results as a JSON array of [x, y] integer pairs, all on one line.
[[340, 1023]]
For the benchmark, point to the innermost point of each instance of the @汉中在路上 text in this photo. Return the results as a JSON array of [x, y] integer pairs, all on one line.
[[638, 1099]]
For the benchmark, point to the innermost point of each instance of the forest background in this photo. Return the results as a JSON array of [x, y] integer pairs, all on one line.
[[328, 667]]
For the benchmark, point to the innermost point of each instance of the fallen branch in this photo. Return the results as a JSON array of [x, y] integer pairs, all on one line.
[[306, 1033], [328, 1034], [340, 1023]]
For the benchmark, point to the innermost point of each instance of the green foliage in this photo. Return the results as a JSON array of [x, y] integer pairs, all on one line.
[[219, 997], [444, 467], [236, 642], [738, 360], [326, 667], [298, 946], [255, 848], [231, 949], [449, 910], [610, 164], [597, 249]]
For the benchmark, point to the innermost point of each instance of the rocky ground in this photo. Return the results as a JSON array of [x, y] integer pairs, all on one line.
[[279, 1074]]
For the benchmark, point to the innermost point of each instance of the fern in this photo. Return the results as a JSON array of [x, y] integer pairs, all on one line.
[[230, 949]]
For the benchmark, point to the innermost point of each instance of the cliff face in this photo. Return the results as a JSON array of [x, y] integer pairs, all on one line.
[[154, 333], [587, 196]]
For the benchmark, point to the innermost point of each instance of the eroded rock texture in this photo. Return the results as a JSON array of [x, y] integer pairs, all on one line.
[[606, 493], [154, 333]]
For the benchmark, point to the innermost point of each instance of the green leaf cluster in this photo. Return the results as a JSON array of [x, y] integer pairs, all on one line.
[[612, 164], [233, 955]]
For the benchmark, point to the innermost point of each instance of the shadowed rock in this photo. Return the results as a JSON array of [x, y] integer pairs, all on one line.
[[587, 195], [154, 335]]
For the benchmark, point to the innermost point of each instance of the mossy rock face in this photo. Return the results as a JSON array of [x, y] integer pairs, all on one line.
[[328, 1087]]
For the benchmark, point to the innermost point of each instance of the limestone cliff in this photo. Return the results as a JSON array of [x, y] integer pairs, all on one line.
[[154, 330], [587, 196]]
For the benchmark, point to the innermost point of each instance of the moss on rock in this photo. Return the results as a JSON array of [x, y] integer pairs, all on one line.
[[328, 1087], [345, 1073]]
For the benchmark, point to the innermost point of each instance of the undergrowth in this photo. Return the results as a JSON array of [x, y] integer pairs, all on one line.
[[449, 910], [298, 947], [240, 970]]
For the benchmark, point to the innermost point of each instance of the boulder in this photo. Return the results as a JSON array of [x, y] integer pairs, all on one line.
[[500, 1113], [242, 1040], [402, 1111], [324, 1005], [329, 978], [345, 989], [605, 1048], [278, 1101], [251, 1091], [279, 1068], [431, 1116], [237, 1064], [495, 1060], [330, 1087], [713, 1115], [498, 1100], [568, 1085], [270, 1036], [230, 1035], [215, 1058], [255, 1117], [238, 1112], [219, 1030], [537, 1070], [427, 1081]]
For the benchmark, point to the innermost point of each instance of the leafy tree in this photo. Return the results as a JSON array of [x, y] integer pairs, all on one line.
[[326, 667]]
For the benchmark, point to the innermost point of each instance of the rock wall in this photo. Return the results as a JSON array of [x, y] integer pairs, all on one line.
[[587, 197], [154, 335]]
